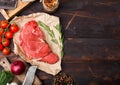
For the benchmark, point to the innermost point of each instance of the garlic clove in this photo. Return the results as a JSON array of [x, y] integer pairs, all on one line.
[[7, 84], [13, 83]]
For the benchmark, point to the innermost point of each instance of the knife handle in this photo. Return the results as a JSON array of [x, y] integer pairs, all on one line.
[[5, 64]]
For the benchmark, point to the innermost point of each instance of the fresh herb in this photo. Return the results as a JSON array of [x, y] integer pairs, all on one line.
[[61, 38], [51, 33], [61, 42], [62, 54], [54, 40], [44, 26], [5, 77], [58, 27]]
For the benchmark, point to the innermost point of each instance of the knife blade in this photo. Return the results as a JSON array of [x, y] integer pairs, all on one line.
[[30, 75]]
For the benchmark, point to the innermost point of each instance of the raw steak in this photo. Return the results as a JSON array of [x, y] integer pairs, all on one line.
[[34, 45]]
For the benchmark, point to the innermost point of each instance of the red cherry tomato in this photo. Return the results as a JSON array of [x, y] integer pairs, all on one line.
[[4, 24], [1, 47], [0, 39], [14, 28], [1, 31], [9, 34], [5, 42], [6, 51]]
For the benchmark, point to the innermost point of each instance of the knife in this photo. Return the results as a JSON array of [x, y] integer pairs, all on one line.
[[30, 75]]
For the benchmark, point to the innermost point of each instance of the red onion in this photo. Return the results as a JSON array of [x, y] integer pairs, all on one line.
[[17, 67]]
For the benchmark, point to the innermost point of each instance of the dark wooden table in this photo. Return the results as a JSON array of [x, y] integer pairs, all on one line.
[[92, 40]]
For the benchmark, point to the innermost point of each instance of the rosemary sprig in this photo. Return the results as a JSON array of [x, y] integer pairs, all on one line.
[[61, 38], [51, 33], [58, 28], [44, 26]]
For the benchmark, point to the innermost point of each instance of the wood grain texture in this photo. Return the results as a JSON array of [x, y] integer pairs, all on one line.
[[92, 41]]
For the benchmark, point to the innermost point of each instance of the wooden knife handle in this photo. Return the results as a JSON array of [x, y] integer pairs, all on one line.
[[5, 64]]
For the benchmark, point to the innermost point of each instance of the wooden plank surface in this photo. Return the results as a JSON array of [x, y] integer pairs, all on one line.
[[92, 41]]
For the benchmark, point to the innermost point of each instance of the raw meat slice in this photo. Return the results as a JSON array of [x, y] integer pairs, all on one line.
[[34, 45], [50, 58]]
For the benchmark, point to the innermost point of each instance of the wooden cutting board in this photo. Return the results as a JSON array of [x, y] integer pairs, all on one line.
[[6, 65], [8, 14]]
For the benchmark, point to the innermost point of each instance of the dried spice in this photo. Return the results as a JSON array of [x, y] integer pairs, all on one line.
[[63, 79], [50, 5]]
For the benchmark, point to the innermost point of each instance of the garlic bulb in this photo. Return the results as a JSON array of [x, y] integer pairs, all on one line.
[[13, 83]]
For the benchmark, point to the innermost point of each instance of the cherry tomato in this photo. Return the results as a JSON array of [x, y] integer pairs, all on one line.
[[1, 47], [1, 31], [6, 51], [9, 34], [0, 39], [5, 42], [14, 28], [4, 24]]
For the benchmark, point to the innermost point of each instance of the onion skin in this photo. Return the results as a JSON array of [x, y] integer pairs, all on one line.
[[18, 67]]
